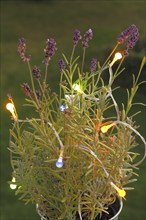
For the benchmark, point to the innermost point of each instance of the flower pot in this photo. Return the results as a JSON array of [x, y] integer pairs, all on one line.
[[113, 210]]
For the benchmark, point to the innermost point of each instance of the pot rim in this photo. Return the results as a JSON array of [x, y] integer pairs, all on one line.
[[120, 209], [113, 218]]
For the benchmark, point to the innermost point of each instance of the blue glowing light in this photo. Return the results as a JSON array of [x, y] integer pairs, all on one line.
[[62, 108], [59, 163]]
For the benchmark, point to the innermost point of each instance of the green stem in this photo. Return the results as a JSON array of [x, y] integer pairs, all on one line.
[[31, 78], [46, 73], [61, 86], [99, 72], [70, 67], [140, 136], [32, 83], [110, 55], [72, 54], [116, 106], [115, 74], [83, 60], [141, 67], [42, 90]]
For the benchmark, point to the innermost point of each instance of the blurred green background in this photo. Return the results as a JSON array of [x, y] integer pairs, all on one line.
[[38, 20]]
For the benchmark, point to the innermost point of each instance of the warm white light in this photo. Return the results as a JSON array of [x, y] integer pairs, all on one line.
[[10, 107], [12, 185], [117, 56], [77, 88]]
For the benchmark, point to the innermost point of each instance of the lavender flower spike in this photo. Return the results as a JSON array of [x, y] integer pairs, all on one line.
[[77, 37], [131, 35], [61, 65], [93, 65], [88, 36], [26, 89], [49, 50], [36, 73], [21, 50], [38, 94]]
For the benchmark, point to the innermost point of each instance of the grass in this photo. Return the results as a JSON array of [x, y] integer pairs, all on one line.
[[36, 21]]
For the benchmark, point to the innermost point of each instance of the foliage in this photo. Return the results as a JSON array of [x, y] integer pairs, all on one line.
[[72, 156]]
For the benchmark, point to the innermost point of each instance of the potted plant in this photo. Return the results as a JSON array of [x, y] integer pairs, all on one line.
[[74, 157]]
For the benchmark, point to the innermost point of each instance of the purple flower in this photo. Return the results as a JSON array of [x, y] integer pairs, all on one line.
[[130, 44], [38, 94], [93, 65], [21, 50], [61, 65], [36, 73], [26, 89], [126, 53], [131, 35], [21, 47], [49, 50], [87, 36], [77, 37]]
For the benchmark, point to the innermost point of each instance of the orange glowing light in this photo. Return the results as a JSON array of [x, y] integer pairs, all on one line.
[[121, 192]]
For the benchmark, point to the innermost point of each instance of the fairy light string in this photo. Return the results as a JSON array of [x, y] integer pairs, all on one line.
[[121, 192], [59, 162], [140, 136], [104, 128]]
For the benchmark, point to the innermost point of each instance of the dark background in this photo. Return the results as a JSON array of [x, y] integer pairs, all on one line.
[[38, 20]]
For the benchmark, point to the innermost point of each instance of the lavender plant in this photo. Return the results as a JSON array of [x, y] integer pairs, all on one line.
[[76, 157]]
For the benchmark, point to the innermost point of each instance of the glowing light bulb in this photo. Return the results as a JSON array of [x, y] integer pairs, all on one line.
[[59, 162], [13, 186], [121, 192], [77, 88], [105, 128], [117, 56], [10, 108]]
